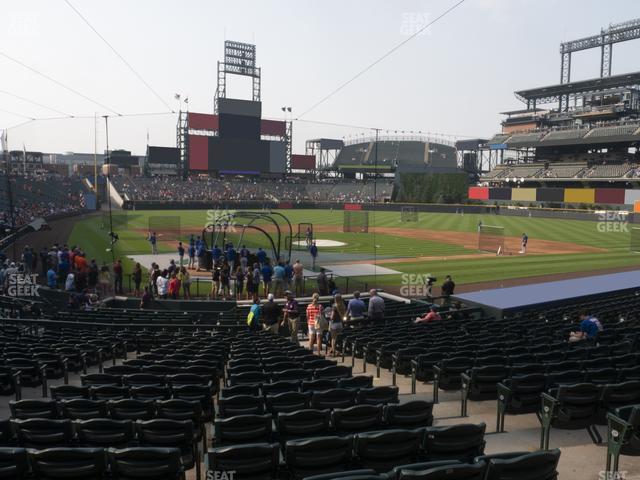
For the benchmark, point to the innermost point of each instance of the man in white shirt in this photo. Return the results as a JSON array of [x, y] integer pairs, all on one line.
[[163, 285]]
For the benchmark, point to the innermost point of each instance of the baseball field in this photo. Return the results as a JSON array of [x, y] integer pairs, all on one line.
[[437, 243]]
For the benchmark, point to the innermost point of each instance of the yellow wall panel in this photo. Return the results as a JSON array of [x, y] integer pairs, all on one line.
[[523, 194], [579, 195]]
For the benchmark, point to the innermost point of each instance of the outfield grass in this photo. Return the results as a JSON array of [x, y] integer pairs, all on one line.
[[91, 235]]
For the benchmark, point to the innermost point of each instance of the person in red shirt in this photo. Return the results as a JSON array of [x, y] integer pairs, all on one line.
[[174, 286], [80, 262], [313, 311], [432, 316]]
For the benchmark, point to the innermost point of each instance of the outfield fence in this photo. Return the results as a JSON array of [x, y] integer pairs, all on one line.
[[479, 209]]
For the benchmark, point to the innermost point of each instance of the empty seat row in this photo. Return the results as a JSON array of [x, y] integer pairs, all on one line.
[[81, 408], [357, 382], [254, 428], [501, 466], [260, 377], [380, 451], [93, 463], [290, 401], [522, 395]]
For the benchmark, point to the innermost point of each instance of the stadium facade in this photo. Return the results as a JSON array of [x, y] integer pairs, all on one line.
[[576, 142]]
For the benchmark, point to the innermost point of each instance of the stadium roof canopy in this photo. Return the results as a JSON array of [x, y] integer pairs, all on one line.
[[553, 93]]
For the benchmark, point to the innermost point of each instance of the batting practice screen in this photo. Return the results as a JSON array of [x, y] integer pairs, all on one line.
[[491, 238], [409, 214], [356, 221], [635, 239]]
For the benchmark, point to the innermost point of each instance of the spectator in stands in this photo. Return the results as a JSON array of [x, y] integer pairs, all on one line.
[[271, 314], [63, 269], [44, 261], [52, 278], [290, 316], [255, 279], [104, 280], [69, 284], [162, 283], [288, 275], [118, 273], [154, 273], [356, 309], [323, 283], [92, 276], [244, 259], [239, 281], [279, 277], [81, 280], [447, 289], [215, 281], [267, 273], [185, 281], [431, 316], [590, 326], [137, 279], [145, 301], [376, 306], [338, 316], [313, 250], [313, 312], [27, 259], [298, 278], [192, 255], [225, 279], [180, 253], [172, 267], [174, 286], [253, 319]]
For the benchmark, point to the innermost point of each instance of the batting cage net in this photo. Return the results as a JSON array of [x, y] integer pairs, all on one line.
[[302, 238], [356, 221], [409, 214], [165, 226], [118, 219], [635, 239], [491, 239]]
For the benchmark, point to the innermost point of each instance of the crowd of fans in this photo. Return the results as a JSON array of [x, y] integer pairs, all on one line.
[[64, 268], [205, 188], [39, 196]]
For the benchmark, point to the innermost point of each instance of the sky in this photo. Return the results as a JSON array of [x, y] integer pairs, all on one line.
[[453, 79]]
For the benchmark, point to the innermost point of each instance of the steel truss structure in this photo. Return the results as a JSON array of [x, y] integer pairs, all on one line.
[[239, 59], [615, 33]]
